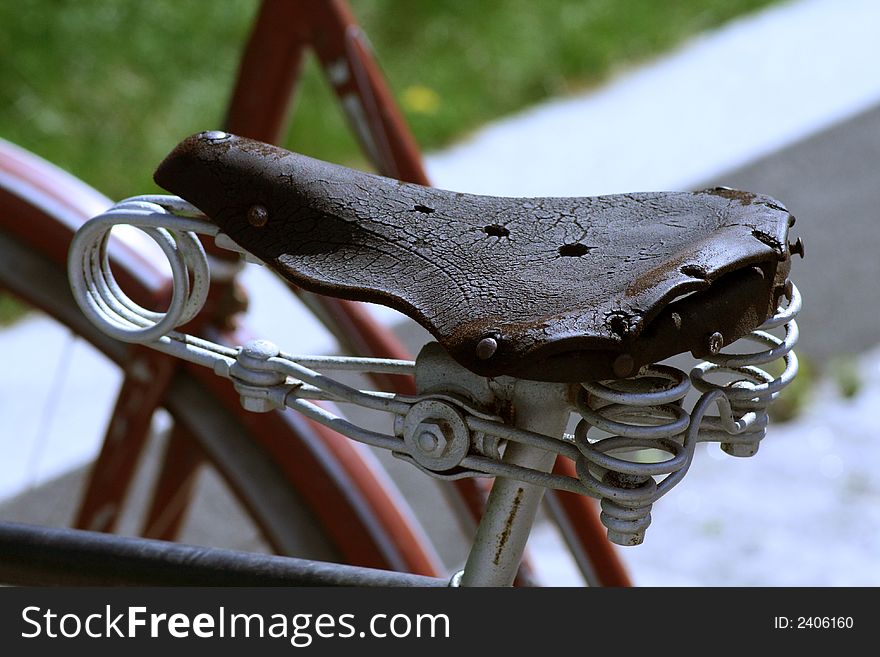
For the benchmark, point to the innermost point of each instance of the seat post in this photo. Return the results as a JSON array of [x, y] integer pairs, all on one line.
[[510, 513]]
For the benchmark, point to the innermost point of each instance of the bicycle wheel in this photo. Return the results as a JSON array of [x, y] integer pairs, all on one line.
[[345, 510]]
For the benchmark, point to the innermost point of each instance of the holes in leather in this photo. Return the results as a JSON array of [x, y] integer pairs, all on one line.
[[496, 230], [574, 250]]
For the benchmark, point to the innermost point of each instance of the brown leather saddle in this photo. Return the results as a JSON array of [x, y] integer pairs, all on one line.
[[553, 289]]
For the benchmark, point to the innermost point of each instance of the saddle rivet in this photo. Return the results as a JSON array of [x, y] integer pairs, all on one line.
[[623, 366], [486, 348], [716, 341], [215, 135], [257, 216]]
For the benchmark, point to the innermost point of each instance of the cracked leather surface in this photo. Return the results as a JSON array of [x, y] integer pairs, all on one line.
[[563, 285]]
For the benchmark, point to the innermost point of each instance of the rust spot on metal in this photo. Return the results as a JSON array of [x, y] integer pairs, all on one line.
[[767, 239], [746, 198], [694, 271], [624, 480], [508, 525]]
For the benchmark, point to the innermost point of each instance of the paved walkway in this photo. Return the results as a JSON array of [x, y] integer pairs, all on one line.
[[804, 511], [722, 100]]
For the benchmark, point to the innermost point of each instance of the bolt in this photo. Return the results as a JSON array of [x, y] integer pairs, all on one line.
[[250, 377], [257, 216], [486, 348], [623, 366], [256, 405], [215, 135], [436, 435], [626, 539], [625, 525], [716, 341], [740, 450], [797, 247], [260, 349], [430, 439]]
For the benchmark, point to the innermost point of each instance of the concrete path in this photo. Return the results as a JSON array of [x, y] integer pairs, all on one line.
[[722, 100]]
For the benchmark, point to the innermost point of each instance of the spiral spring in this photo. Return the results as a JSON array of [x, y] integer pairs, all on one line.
[[100, 296], [753, 389], [647, 412]]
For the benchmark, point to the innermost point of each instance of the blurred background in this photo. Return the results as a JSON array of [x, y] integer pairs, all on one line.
[[561, 97]]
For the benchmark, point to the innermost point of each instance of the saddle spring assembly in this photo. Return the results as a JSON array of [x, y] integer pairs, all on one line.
[[623, 422], [648, 412]]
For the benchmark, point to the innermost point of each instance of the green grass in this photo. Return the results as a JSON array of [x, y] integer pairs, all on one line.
[[105, 89], [813, 377], [845, 374], [799, 394], [10, 310]]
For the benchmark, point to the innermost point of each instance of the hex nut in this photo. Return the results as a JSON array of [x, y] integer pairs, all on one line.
[[430, 438], [446, 425]]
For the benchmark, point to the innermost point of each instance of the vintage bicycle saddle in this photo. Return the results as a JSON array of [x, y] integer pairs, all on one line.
[[553, 289]]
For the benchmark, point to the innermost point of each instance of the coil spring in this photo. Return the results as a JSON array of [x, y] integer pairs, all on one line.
[[644, 412], [100, 296], [647, 412], [753, 388]]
